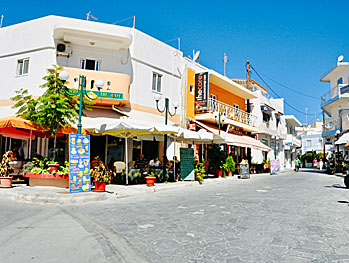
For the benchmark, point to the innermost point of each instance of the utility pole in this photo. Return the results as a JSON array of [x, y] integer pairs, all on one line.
[[248, 106], [225, 60], [1, 19], [323, 131]]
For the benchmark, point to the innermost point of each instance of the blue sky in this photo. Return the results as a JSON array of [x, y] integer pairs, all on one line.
[[292, 42]]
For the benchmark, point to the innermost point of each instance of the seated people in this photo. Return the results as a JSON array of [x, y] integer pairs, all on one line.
[[141, 162], [155, 162]]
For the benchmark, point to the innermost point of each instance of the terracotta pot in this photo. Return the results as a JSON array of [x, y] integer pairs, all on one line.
[[6, 182], [230, 173], [219, 173], [100, 186], [53, 167], [150, 180]]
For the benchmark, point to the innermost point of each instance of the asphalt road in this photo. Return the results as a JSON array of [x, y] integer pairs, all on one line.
[[291, 217]]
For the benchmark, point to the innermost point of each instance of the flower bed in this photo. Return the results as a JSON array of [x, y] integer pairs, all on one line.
[[45, 179]]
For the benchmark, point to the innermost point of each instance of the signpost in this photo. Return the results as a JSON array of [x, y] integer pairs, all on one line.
[[274, 166], [79, 163], [201, 91], [187, 164], [244, 171]]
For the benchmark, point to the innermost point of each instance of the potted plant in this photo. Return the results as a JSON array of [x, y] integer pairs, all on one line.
[[53, 166], [229, 165], [216, 156], [5, 169], [200, 172], [101, 176], [150, 179]]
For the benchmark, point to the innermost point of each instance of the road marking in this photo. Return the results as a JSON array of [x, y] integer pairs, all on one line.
[[145, 226], [262, 190]]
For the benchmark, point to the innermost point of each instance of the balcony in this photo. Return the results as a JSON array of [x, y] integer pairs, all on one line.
[[334, 94], [291, 141], [331, 126], [265, 128], [232, 115], [114, 92]]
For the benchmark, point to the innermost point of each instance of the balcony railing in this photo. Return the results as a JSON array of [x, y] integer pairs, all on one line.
[[331, 125], [334, 92], [230, 112]]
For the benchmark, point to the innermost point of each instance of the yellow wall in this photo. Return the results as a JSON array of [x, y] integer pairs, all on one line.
[[190, 97], [226, 97]]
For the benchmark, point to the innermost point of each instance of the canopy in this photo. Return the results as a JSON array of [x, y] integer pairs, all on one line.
[[343, 139], [125, 128], [20, 125], [16, 133]]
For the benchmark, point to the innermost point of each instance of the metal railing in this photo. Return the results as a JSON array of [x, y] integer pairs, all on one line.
[[230, 112], [332, 93], [331, 125]]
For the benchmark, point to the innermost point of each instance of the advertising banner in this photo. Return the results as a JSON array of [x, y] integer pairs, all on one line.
[[201, 91], [274, 166], [79, 163]]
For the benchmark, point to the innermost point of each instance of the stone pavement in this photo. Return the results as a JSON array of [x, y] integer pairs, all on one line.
[[58, 196]]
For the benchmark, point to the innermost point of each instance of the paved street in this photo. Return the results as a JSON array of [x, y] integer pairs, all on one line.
[[291, 217]]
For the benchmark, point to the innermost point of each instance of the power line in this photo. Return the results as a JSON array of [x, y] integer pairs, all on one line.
[[282, 85], [279, 95]]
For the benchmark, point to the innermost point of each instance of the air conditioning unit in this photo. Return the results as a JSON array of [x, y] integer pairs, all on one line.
[[63, 49]]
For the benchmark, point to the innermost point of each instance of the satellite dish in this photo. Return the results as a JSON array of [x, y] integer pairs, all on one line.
[[196, 56], [340, 58]]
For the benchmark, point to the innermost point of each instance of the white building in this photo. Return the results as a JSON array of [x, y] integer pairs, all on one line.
[[270, 123], [292, 143], [133, 65], [335, 102], [311, 138]]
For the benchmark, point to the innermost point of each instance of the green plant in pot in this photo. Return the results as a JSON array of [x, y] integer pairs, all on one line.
[[229, 165], [200, 172], [5, 169], [216, 156], [150, 179], [101, 176]]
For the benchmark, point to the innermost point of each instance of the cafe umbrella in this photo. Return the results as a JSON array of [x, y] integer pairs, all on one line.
[[125, 128]]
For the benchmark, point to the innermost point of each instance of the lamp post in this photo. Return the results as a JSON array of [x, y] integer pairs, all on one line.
[[175, 105], [337, 154], [81, 91], [221, 119]]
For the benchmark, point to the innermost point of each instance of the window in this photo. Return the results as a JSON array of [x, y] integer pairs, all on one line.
[[339, 81], [213, 102], [90, 64], [156, 82], [191, 89], [22, 67], [308, 143]]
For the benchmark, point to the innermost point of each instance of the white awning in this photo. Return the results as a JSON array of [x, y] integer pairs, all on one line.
[[343, 139]]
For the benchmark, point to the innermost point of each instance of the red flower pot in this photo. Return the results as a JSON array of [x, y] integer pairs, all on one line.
[[150, 181], [53, 167], [230, 173], [219, 173], [100, 186]]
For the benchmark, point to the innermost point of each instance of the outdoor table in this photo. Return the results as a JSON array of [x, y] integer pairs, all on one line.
[[133, 174], [158, 172]]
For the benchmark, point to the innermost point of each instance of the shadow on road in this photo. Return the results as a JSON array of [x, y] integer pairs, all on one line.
[[336, 186]]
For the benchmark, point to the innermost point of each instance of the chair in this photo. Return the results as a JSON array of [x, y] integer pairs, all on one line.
[[119, 166]]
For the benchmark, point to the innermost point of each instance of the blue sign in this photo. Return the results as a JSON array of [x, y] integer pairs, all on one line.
[[79, 163]]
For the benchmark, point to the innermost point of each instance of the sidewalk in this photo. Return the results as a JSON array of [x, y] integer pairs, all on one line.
[[59, 196]]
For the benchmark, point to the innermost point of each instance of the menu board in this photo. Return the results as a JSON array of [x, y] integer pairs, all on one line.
[[187, 164], [79, 163], [274, 166], [244, 171]]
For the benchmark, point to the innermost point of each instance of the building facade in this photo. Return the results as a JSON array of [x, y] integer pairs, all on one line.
[[292, 143]]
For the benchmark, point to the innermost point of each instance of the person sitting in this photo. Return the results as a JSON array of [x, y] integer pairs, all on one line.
[[141, 162], [154, 162]]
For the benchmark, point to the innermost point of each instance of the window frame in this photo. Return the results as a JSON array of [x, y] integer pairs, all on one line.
[[97, 63], [156, 82], [22, 61]]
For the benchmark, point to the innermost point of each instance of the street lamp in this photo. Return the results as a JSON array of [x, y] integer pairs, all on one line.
[[81, 91], [337, 154], [175, 104], [221, 119]]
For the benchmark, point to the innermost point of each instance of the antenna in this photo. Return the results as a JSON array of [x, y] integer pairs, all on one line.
[[340, 58], [196, 55], [1, 19], [88, 15], [225, 60]]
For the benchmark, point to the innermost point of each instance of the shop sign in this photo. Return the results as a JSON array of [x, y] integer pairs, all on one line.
[[235, 130], [105, 95], [79, 163], [187, 164], [288, 143], [274, 166], [201, 91], [192, 126]]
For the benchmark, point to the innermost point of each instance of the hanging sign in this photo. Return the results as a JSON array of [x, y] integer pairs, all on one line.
[[201, 91], [79, 163]]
